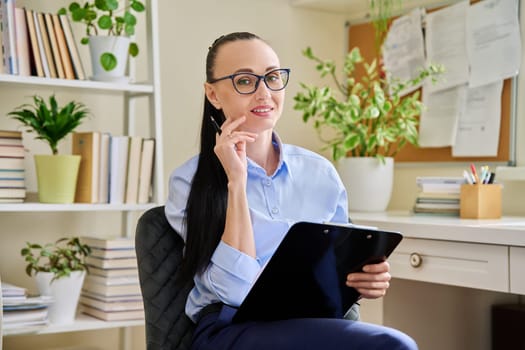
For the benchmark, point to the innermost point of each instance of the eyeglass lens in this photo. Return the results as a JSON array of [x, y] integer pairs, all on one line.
[[247, 83]]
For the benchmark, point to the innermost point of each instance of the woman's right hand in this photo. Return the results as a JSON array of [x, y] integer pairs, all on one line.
[[230, 148]]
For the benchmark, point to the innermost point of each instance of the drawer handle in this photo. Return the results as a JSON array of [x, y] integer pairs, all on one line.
[[415, 260]]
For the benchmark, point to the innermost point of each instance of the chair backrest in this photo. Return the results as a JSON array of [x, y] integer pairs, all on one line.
[[159, 254]]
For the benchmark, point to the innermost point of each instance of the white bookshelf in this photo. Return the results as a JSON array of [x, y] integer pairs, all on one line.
[[128, 93]]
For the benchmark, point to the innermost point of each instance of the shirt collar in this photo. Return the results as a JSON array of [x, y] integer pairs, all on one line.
[[282, 166]]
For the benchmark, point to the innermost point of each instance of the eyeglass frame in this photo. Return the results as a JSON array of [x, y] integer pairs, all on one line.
[[259, 78]]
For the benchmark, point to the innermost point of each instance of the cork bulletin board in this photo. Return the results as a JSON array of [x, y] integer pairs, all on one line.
[[362, 35]]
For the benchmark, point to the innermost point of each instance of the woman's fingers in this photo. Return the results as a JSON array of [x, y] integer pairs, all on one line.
[[373, 282]]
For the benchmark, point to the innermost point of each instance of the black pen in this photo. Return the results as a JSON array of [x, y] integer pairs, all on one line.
[[215, 125]]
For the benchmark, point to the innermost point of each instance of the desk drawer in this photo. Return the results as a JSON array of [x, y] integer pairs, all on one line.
[[460, 264], [517, 270]]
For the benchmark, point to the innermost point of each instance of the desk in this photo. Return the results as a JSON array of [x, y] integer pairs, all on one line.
[[481, 254], [438, 254]]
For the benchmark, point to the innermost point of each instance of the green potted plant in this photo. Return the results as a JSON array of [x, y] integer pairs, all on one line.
[[59, 269], [109, 26], [364, 120], [56, 174]]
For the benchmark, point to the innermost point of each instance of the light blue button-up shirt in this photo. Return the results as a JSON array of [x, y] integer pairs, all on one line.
[[305, 187]]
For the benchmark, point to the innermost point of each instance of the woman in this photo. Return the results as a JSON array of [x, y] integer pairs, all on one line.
[[234, 202]]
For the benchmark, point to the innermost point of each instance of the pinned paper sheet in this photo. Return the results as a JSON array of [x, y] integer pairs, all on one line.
[[493, 41], [478, 127], [404, 49]]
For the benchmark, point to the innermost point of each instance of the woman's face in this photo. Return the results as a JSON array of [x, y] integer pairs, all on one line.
[[262, 108]]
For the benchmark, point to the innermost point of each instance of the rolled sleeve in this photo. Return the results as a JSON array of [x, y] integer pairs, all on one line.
[[231, 274]]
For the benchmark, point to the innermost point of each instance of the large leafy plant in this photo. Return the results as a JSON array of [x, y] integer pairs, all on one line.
[[61, 257], [49, 121], [362, 117], [105, 16]]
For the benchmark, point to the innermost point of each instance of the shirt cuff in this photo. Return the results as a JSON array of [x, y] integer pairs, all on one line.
[[235, 262]]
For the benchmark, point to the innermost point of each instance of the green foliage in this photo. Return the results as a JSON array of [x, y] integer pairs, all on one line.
[[49, 121], [371, 119], [60, 258], [380, 12], [105, 15]]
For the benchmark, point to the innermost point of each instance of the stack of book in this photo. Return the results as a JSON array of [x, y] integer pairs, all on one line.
[[37, 43], [21, 311], [113, 169], [111, 290], [12, 167], [438, 195]]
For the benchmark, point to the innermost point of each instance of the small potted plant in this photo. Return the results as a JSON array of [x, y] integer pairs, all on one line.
[[365, 120], [56, 174], [59, 269], [109, 26]]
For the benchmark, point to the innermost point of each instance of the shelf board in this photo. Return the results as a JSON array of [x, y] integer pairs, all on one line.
[[79, 84], [506, 173], [82, 323], [48, 207]]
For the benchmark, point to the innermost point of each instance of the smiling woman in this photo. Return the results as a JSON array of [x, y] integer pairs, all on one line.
[[249, 188]]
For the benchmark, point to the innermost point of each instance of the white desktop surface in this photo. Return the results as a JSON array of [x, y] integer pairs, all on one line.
[[509, 231]]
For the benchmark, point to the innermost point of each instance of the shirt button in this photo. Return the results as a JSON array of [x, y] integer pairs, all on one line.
[[267, 182], [275, 210]]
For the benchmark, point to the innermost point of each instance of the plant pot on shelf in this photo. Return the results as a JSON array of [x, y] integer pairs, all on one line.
[[57, 177], [64, 291], [116, 45], [368, 182]]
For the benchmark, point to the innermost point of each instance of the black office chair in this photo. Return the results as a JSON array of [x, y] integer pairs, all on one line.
[[159, 254]]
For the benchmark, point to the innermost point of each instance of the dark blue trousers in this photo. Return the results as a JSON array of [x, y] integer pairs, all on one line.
[[216, 332]]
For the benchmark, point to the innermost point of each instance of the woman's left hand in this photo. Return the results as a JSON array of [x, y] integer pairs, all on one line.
[[372, 282]]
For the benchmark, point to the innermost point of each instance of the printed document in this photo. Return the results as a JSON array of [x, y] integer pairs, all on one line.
[[403, 49], [493, 41], [438, 123], [446, 45], [479, 124]]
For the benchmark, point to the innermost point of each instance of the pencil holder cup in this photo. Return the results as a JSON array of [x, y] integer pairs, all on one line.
[[480, 201]]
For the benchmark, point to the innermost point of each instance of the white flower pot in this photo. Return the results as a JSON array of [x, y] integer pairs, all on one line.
[[65, 292], [119, 46], [368, 182]]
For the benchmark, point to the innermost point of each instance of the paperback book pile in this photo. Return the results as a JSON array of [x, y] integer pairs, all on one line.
[[438, 195], [22, 312], [111, 290], [12, 167]]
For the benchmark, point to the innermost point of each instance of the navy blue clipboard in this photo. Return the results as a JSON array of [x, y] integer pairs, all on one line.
[[306, 276]]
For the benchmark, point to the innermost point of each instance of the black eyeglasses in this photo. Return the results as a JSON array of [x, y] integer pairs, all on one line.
[[247, 83]]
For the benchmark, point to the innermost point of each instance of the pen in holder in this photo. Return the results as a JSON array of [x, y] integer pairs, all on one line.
[[480, 201]]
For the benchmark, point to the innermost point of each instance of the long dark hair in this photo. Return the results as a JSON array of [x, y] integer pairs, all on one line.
[[207, 201]]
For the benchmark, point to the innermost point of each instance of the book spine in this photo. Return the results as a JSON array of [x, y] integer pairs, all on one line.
[[9, 35], [72, 47], [46, 45], [54, 45], [22, 43], [36, 60], [41, 50], [63, 50], [87, 145]]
